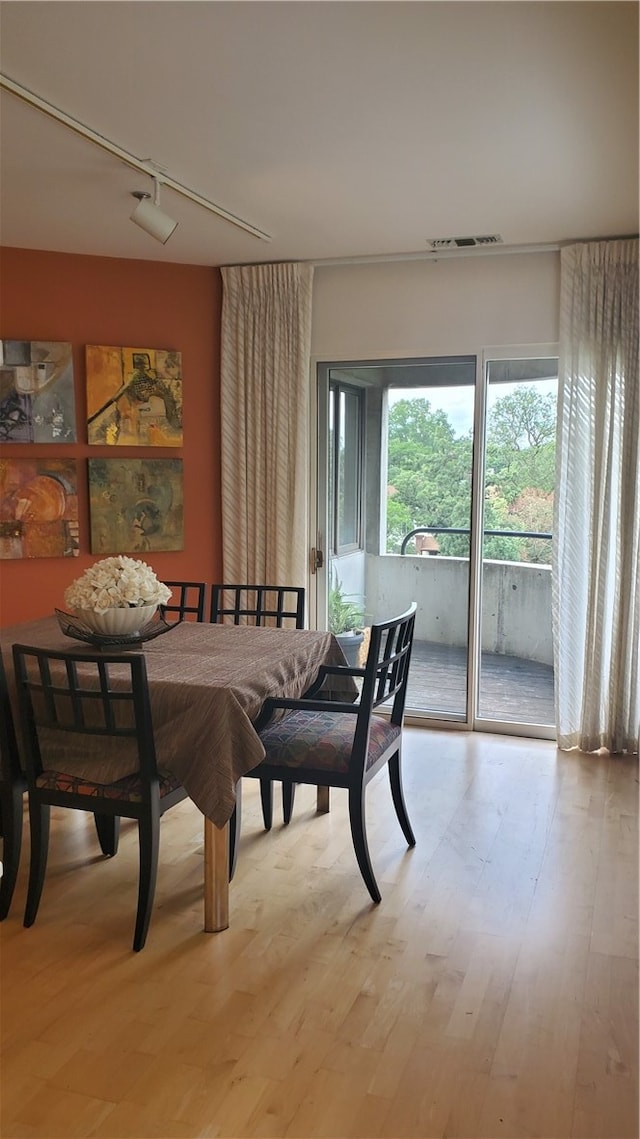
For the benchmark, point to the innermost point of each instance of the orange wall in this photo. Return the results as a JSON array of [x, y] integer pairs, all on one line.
[[97, 300]]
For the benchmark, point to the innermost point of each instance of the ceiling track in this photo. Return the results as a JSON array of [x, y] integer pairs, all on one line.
[[145, 167]]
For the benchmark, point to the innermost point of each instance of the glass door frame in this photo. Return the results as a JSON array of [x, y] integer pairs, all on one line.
[[322, 375]]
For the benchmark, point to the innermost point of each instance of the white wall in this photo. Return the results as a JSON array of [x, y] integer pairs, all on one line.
[[433, 308]]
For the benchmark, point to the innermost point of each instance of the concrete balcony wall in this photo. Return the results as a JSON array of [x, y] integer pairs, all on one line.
[[440, 586], [516, 601], [516, 610]]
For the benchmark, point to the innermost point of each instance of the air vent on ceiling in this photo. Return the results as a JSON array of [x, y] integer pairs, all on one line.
[[437, 243]]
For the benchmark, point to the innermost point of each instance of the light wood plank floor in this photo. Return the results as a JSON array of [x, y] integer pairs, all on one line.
[[493, 993]]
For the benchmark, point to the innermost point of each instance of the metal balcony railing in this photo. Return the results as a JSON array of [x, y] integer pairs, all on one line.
[[465, 530]]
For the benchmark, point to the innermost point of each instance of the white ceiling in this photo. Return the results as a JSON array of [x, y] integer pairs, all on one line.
[[343, 129]]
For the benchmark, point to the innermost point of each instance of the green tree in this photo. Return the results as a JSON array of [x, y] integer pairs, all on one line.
[[523, 420], [399, 521], [521, 461], [533, 510], [429, 473]]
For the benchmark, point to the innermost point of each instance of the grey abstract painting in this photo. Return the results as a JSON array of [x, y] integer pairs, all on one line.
[[37, 403]]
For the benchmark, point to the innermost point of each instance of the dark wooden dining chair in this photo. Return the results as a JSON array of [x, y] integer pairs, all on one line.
[[13, 784], [280, 606], [187, 602], [328, 743], [93, 705], [12, 787]]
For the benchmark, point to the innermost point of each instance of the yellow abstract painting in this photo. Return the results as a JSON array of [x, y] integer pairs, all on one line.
[[134, 396]]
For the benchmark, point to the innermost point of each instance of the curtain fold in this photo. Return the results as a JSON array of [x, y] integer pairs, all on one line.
[[596, 572], [266, 345]]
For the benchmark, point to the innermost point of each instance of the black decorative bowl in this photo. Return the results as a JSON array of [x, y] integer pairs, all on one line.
[[72, 626]]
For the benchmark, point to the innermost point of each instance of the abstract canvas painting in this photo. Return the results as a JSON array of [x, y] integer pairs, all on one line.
[[134, 396], [136, 505], [36, 392], [38, 508]]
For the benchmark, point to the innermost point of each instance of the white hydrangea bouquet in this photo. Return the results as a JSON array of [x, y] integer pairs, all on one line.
[[116, 583]]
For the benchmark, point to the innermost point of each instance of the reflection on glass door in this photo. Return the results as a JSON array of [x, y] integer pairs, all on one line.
[[515, 679]]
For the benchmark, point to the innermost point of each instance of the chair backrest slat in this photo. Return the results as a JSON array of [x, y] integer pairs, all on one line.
[[47, 690], [258, 604], [75, 695], [190, 600]]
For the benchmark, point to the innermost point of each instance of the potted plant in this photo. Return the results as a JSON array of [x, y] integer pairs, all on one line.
[[346, 618]]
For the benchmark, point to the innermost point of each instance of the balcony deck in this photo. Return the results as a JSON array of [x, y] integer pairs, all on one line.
[[512, 689]]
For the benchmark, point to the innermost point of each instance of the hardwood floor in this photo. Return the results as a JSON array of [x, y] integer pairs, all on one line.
[[493, 993]]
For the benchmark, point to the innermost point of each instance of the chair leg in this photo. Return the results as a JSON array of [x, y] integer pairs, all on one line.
[[288, 795], [39, 818], [234, 831], [266, 798], [395, 778], [359, 836], [149, 839], [108, 829], [12, 843]]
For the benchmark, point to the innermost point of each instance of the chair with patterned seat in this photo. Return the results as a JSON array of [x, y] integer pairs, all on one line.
[[189, 603], [91, 708], [328, 743]]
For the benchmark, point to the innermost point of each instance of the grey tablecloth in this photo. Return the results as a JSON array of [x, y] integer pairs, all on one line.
[[207, 685]]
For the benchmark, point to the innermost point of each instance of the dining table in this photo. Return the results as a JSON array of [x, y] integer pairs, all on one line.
[[207, 687]]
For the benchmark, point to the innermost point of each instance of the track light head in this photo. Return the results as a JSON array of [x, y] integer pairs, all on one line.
[[150, 217]]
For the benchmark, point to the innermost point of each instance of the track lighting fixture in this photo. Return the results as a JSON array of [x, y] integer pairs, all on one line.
[[81, 129], [150, 217]]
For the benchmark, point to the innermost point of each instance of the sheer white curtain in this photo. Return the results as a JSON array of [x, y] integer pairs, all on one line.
[[597, 507], [266, 344]]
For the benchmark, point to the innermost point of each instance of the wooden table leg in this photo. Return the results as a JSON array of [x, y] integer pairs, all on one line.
[[216, 877], [322, 801]]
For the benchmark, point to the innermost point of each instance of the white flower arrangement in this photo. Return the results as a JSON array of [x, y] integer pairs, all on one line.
[[116, 583]]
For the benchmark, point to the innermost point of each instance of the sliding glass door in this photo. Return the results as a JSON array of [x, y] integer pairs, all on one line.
[[435, 484]]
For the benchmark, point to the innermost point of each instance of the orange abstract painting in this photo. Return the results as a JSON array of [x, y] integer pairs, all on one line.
[[38, 508]]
